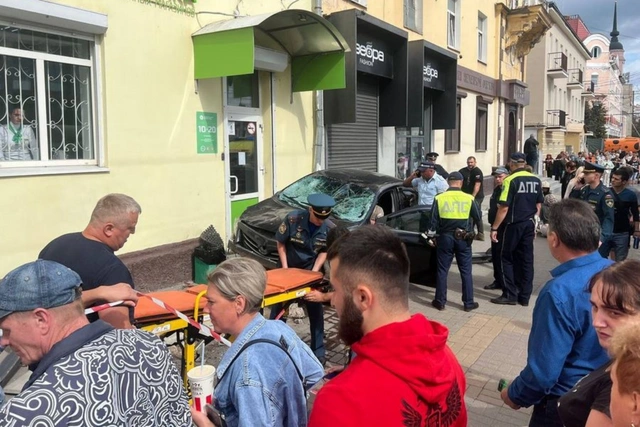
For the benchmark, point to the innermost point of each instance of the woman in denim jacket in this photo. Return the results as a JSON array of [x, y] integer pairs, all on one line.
[[257, 385]]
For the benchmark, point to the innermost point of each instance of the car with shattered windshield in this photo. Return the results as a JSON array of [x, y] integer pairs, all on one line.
[[356, 194]]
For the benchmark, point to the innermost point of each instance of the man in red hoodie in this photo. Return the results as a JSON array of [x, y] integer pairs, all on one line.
[[403, 372]]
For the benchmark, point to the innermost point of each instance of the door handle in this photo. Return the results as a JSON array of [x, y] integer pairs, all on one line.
[[232, 179]]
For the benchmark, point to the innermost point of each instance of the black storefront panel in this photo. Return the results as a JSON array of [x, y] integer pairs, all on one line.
[[380, 50], [434, 69], [355, 145]]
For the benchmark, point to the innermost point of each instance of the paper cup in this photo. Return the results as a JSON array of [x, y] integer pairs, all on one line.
[[201, 383]]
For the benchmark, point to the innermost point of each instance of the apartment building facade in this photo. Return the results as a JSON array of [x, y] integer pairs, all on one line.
[[556, 77]]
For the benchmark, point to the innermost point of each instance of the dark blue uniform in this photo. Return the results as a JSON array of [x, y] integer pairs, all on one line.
[[496, 247], [521, 192], [452, 210], [303, 242], [625, 206], [602, 202]]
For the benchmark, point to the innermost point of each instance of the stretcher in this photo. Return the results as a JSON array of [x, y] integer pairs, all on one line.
[[283, 285]]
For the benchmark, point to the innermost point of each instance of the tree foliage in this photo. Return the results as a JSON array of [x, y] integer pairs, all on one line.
[[595, 119]]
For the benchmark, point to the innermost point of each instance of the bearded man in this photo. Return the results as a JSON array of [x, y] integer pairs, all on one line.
[[403, 366]]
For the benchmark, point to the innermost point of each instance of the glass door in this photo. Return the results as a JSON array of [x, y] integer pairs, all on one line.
[[246, 169]]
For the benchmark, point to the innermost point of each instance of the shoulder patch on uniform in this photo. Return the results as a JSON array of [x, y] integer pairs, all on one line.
[[608, 200], [283, 228]]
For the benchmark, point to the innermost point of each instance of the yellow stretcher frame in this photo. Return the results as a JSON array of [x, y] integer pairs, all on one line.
[[187, 336]]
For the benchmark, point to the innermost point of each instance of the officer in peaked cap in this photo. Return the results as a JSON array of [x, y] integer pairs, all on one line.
[[601, 200], [302, 243], [432, 157]]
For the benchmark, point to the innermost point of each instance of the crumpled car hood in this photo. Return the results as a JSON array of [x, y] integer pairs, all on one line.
[[266, 215], [269, 214]]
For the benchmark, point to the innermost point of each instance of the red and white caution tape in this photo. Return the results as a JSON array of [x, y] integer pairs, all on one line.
[[204, 329], [101, 307]]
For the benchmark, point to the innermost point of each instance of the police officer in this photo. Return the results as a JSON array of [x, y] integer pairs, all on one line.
[[518, 205], [302, 243], [499, 175], [432, 157], [428, 183], [602, 202], [451, 220]]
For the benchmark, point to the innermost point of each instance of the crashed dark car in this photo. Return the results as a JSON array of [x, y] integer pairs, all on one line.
[[356, 194]]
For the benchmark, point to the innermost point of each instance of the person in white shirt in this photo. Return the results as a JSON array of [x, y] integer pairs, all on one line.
[[17, 141]]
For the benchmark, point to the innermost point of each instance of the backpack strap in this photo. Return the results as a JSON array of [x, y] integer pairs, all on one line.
[[281, 345]]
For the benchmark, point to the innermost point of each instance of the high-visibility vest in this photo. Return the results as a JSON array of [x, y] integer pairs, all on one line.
[[454, 205]]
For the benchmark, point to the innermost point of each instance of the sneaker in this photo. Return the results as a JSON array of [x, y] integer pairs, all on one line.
[[471, 307], [480, 237]]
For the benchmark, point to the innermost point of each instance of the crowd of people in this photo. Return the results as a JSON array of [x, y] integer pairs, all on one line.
[[583, 353]]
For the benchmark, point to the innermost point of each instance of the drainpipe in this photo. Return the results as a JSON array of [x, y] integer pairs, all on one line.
[[319, 145]]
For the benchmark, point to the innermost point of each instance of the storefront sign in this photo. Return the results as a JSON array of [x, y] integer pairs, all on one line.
[[476, 82], [432, 74], [207, 132], [373, 56]]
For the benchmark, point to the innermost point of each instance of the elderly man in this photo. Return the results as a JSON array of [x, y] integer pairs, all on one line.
[[91, 254], [82, 373], [563, 346], [404, 373]]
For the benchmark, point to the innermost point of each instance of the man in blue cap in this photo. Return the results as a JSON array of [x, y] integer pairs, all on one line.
[[302, 243], [82, 372], [601, 200], [518, 205]]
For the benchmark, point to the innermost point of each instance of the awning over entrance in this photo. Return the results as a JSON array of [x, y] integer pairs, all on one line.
[[267, 42]]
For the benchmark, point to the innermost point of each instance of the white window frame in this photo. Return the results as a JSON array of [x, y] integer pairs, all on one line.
[[455, 14], [413, 23], [482, 38], [47, 166], [360, 2]]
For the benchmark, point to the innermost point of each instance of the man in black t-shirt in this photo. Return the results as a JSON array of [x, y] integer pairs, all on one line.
[[570, 173], [91, 255], [472, 184]]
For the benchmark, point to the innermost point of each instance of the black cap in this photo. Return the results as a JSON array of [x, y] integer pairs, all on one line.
[[455, 176], [518, 157], [432, 154], [426, 165]]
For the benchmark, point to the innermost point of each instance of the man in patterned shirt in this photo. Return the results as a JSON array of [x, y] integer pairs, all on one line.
[[83, 374]]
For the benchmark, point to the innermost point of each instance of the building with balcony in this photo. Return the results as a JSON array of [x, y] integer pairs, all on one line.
[[555, 75], [605, 72]]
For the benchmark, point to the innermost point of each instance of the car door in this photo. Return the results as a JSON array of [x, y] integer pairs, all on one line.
[[407, 224]]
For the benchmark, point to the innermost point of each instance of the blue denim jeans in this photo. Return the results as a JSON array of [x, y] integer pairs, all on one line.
[[619, 243], [316, 325], [447, 246]]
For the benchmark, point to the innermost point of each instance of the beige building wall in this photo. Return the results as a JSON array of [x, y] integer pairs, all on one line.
[[148, 98]]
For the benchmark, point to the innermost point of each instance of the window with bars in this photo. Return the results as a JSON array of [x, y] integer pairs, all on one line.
[[413, 15], [453, 24], [46, 99], [481, 126], [452, 136]]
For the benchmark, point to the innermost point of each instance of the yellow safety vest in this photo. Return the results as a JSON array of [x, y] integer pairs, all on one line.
[[454, 204]]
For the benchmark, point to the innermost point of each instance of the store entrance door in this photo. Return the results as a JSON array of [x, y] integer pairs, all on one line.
[[245, 165]]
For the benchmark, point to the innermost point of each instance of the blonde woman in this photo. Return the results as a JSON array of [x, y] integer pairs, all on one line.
[[576, 184]]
